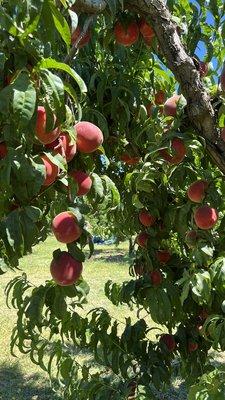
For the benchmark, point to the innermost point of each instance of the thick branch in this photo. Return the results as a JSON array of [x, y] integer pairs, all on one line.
[[90, 6], [200, 111]]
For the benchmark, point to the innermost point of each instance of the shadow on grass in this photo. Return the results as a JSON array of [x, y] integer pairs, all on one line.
[[18, 386], [111, 256]]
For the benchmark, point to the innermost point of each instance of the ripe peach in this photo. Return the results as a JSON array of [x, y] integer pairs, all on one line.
[[65, 227], [63, 146], [89, 137], [163, 256], [191, 238], [85, 39], [192, 346], [169, 341], [160, 97], [3, 150], [146, 218], [51, 170], [205, 217], [126, 35], [179, 150], [170, 106], [149, 108], [65, 270], [142, 239], [83, 181], [129, 160], [40, 130], [146, 29], [156, 278], [196, 191]]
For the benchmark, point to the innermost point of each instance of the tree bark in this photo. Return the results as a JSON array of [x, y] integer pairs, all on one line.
[[90, 6], [199, 108]]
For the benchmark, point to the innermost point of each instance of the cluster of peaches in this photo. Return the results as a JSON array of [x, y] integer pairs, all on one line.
[[205, 217], [65, 269]]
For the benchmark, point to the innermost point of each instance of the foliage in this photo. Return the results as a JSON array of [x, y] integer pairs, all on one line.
[[114, 87]]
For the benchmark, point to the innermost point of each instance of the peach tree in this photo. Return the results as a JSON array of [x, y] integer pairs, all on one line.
[[107, 110]]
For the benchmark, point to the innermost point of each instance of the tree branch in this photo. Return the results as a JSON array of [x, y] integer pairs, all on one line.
[[90, 6], [199, 108]]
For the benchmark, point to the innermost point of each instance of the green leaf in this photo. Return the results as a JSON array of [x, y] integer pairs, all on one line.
[[48, 63], [24, 98], [201, 287], [60, 23]]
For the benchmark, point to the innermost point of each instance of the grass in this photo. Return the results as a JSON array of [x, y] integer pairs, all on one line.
[[20, 378]]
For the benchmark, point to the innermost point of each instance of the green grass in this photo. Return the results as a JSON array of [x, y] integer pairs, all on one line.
[[20, 378]]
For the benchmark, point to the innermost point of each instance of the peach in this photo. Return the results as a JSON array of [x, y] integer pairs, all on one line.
[[89, 137], [192, 346], [146, 29], [160, 97], [126, 35], [163, 256], [170, 106], [205, 217], [142, 239], [196, 191], [85, 39], [156, 278], [191, 238], [40, 130], [65, 227], [169, 341], [178, 149], [129, 160], [83, 181], [146, 218], [51, 170], [63, 146], [65, 270], [3, 150]]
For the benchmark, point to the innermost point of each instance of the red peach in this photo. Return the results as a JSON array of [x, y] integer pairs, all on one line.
[[192, 346], [205, 217], [179, 150], [142, 239], [65, 270], [63, 146], [146, 218], [129, 160], [196, 191], [83, 181], [40, 130], [126, 35], [169, 341], [65, 227], [170, 106], [85, 39], [89, 137], [51, 170], [3, 150], [156, 278], [160, 97], [146, 29], [163, 256]]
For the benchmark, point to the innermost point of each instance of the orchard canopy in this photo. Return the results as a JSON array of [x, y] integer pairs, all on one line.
[[114, 111]]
